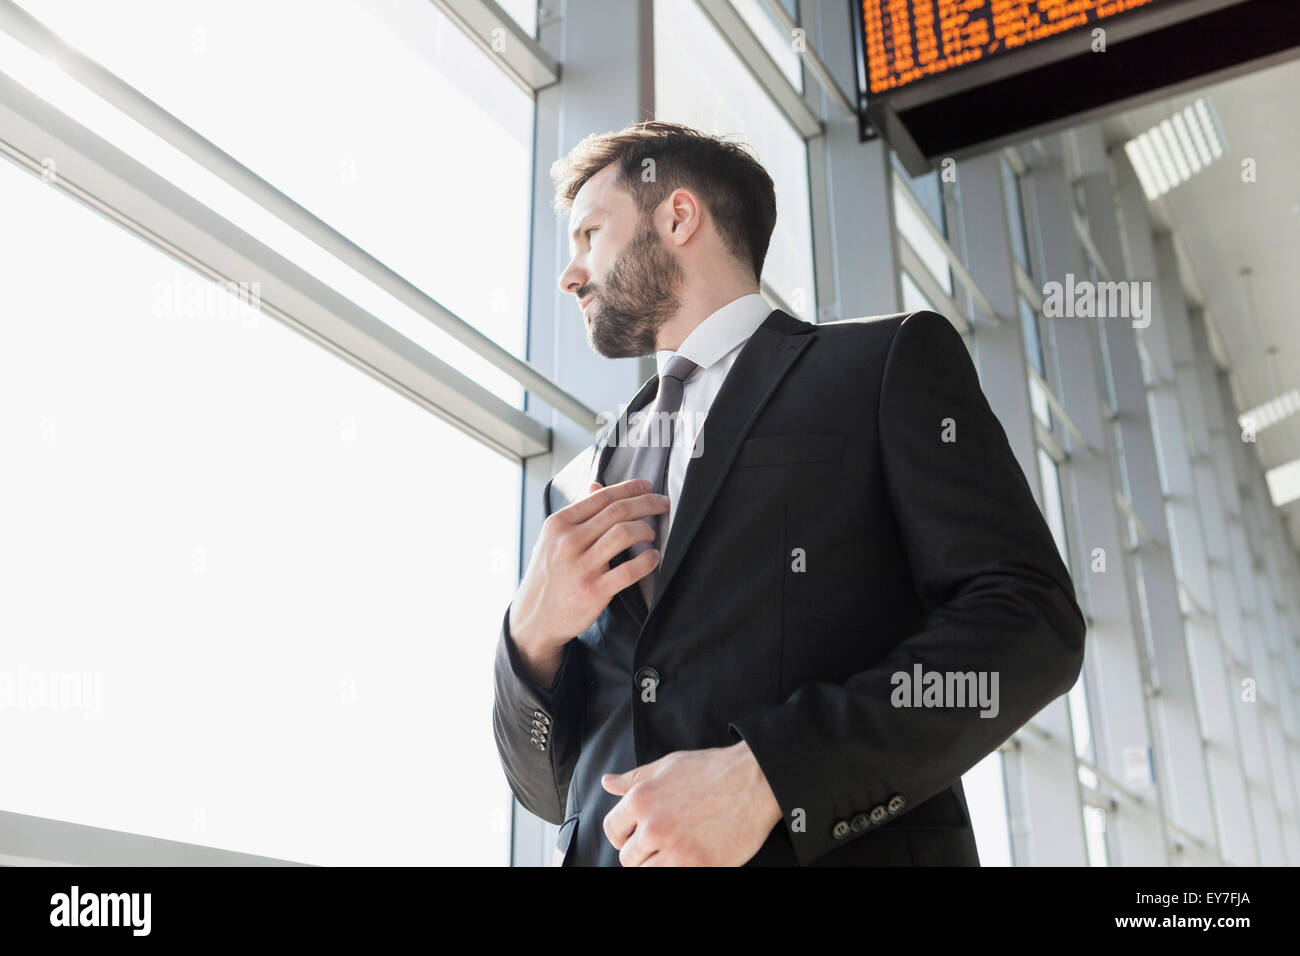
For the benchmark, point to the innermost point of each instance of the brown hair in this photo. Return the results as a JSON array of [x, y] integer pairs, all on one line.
[[736, 190]]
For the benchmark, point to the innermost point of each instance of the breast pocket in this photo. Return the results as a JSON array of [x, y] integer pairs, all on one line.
[[789, 450]]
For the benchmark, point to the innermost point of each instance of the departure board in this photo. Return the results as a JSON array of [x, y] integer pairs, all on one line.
[[909, 40], [950, 78]]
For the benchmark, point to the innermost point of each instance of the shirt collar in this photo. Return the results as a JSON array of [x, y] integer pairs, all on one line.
[[720, 333]]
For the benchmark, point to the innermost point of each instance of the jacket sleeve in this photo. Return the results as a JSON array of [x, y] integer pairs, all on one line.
[[998, 599], [537, 730]]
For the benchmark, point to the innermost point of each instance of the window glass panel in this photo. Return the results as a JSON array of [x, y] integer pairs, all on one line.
[[366, 148], [779, 46], [928, 190], [1034, 351], [1038, 403], [1029, 327], [1094, 822], [1052, 509], [278, 581], [986, 798], [524, 13], [1081, 725], [701, 82], [914, 299], [1015, 214], [927, 247]]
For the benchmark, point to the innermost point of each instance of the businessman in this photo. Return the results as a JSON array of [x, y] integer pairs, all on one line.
[[798, 588]]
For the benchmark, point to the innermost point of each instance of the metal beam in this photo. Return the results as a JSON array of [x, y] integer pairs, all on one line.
[[38, 841], [762, 67], [125, 191], [109, 87], [500, 37], [821, 73]]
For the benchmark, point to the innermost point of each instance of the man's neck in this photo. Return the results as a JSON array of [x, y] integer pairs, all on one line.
[[696, 307]]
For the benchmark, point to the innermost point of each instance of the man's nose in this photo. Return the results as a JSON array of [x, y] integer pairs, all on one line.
[[572, 279]]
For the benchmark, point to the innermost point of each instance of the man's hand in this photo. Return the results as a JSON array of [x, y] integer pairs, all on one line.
[[692, 808], [569, 580]]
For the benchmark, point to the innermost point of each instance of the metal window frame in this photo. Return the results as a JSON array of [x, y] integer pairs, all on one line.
[[769, 75], [108, 86], [104, 178], [813, 63], [39, 841], [955, 262], [498, 35]]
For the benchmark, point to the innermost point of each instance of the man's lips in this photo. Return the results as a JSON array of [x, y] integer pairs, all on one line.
[[582, 304]]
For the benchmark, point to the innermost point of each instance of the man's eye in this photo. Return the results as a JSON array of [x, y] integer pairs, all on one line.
[[590, 231]]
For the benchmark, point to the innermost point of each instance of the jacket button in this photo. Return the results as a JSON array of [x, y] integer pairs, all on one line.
[[860, 822], [841, 829], [644, 675], [896, 803], [877, 814], [541, 716]]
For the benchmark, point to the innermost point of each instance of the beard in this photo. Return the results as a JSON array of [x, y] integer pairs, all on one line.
[[639, 294]]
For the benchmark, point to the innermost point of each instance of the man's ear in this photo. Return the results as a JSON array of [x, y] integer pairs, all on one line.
[[679, 196]]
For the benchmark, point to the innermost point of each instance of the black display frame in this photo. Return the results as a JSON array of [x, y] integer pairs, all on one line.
[[1151, 52]]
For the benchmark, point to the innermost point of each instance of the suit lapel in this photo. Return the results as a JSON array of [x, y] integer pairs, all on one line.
[[758, 370], [605, 446]]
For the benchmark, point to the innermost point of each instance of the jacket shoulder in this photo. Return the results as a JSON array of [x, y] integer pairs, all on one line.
[[874, 324]]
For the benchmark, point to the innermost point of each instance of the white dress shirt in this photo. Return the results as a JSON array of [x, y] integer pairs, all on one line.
[[712, 345]]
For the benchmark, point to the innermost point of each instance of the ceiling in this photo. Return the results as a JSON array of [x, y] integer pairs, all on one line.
[[1223, 226]]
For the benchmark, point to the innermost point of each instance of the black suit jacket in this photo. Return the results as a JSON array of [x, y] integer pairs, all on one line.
[[831, 535]]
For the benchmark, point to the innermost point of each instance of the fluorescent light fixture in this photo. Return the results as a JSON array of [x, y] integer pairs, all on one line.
[[1272, 411], [1176, 149], [1284, 482], [1185, 140]]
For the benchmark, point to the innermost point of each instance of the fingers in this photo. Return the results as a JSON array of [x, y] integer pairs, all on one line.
[[620, 511], [629, 572], [637, 850], [615, 540], [587, 508], [618, 783], [619, 824]]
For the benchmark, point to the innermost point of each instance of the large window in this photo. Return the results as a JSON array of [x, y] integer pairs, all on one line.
[[911, 227], [700, 81], [380, 118], [1015, 214], [248, 594]]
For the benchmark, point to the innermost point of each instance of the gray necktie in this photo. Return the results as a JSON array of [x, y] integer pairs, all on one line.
[[650, 457]]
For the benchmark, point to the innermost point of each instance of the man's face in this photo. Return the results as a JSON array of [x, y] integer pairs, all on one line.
[[625, 279]]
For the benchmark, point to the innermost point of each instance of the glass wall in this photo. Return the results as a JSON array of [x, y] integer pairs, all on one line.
[[700, 81], [269, 577], [268, 585], [394, 151]]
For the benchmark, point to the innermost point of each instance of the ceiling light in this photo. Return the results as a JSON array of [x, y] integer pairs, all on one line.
[[1272, 411], [1176, 149], [1284, 483]]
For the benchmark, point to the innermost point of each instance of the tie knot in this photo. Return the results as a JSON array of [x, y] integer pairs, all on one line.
[[680, 368]]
